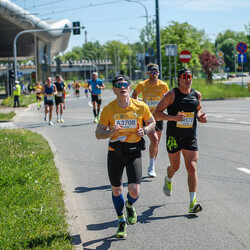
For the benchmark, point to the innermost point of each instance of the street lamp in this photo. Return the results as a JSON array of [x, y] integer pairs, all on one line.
[[146, 16], [130, 74], [234, 54], [114, 55], [144, 53]]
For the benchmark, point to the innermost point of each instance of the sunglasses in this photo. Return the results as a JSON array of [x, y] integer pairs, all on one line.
[[153, 72], [122, 84], [186, 76]]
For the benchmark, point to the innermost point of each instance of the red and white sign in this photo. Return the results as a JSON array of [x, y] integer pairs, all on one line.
[[185, 56], [220, 61]]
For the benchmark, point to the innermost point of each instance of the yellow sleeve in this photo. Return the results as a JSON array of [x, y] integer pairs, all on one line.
[[146, 114], [104, 118], [139, 88]]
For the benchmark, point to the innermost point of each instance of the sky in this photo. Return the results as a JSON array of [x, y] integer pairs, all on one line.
[[105, 19]]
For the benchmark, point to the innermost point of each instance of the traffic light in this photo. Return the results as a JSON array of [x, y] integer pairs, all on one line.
[[11, 73], [76, 31]]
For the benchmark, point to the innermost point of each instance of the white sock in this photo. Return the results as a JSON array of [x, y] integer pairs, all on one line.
[[192, 196], [169, 179], [57, 117], [152, 162]]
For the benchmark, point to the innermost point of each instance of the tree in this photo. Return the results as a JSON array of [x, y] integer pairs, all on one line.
[[209, 64]]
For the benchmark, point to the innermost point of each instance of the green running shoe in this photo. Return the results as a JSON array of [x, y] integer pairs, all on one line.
[[167, 188], [194, 207], [131, 214], [121, 231]]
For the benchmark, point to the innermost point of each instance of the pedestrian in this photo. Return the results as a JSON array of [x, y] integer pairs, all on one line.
[[49, 90], [96, 95], [16, 94], [183, 106], [38, 95], [86, 91], [121, 122], [59, 98], [152, 89]]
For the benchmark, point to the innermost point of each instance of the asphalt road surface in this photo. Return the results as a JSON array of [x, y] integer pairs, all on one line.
[[163, 222]]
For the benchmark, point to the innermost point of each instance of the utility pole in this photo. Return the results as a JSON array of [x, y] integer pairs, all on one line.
[[158, 38]]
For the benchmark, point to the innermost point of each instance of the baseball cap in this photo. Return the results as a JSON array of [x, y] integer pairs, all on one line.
[[153, 67], [17, 81], [120, 78], [181, 71]]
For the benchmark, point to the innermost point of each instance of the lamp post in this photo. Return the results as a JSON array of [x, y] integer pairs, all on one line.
[[144, 53], [114, 56], [130, 73], [235, 71], [146, 17]]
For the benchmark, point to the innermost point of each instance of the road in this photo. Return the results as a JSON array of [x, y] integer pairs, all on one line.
[[163, 222]]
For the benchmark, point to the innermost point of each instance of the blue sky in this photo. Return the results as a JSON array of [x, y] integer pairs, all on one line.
[[105, 19]]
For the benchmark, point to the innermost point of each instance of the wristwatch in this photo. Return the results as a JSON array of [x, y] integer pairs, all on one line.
[[145, 131]]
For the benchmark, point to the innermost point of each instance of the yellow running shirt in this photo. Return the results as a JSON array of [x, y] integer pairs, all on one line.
[[39, 91], [126, 117], [152, 94]]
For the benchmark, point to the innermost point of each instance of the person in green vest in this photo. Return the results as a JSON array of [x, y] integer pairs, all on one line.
[[16, 93]]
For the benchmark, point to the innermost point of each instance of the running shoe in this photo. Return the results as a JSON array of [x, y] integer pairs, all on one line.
[[58, 120], [95, 120], [62, 120], [131, 214], [195, 207], [51, 123], [121, 231], [151, 172], [167, 188]]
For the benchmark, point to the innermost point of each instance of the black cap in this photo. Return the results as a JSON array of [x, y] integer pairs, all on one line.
[[120, 78], [153, 67], [181, 71]]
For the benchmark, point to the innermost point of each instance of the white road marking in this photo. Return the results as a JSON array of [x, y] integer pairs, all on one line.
[[244, 170]]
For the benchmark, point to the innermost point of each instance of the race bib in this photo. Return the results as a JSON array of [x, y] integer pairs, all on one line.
[[152, 102], [127, 121], [187, 121], [59, 94], [49, 97], [99, 96]]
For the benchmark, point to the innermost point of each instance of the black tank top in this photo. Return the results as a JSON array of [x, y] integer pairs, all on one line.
[[187, 103]]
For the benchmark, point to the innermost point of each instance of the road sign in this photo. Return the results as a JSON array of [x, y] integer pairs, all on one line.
[[220, 54], [242, 58], [171, 49], [19, 74], [241, 48], [220, 61], [185, 56]]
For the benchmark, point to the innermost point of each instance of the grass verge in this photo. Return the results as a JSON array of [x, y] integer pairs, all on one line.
[[24, 100], [32, 210], [7, 116]]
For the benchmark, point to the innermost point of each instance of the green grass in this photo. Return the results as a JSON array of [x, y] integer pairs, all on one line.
[[7, 116], [32, 210], [25, 100]]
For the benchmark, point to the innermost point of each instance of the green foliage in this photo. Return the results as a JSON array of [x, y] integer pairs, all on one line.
[[24, 100], [32, 211], [7, 116]]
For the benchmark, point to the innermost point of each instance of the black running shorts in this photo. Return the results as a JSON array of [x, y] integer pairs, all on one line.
[[94, 98], [175, 144]]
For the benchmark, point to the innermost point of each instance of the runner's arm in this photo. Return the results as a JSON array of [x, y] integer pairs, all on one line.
[[102, 132], [201, 117], [135, 94]]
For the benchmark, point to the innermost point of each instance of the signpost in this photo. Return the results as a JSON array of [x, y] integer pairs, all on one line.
[[171, 50], [242, 49]]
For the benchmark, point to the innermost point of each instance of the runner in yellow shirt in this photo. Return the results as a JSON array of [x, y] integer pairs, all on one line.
[[38, 95], [121, 122], [152, 91]]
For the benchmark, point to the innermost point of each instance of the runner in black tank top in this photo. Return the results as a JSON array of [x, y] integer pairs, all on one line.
[[183, 106]]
